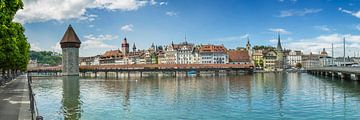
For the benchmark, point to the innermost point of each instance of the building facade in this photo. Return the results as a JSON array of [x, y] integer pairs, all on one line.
[[212, 54]]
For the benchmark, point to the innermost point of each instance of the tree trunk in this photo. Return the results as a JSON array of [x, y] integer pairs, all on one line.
[[8, 74], [2, 72]]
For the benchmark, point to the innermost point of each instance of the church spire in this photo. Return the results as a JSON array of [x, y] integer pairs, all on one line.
[[248, 45], [279, 48], [134, 47]]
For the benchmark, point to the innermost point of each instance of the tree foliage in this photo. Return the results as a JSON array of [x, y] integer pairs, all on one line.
[[298, 65], [46, 57], [14, 48]]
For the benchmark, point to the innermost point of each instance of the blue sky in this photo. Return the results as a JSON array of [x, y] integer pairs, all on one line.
[[307, 25]]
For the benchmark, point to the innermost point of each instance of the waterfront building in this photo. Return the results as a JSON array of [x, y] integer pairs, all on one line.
[[310, 60], [111, 57], [325, 60], [180, 53], [271, 60], [257, 58], [212, 54], [93, 60], [239, 57], [339, 61], [293, 58]]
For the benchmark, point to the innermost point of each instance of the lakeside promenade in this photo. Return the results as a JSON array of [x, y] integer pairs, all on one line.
[[14, 100]]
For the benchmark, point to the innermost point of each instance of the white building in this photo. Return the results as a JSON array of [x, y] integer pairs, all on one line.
[[182, 53], [213, 54], [293, 58]]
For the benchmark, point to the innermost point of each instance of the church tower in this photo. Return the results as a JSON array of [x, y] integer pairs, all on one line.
[[125, 47], [70, 44], [280, 53], [248, 45], [134, 48]]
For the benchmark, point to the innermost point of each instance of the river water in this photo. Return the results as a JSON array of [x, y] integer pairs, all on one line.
[[248, 96]]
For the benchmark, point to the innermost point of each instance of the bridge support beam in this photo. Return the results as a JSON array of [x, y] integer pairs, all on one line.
[[106, 74], [141, 74], [117, 74]]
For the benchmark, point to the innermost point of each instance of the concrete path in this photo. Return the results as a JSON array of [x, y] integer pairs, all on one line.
[[14, 100]]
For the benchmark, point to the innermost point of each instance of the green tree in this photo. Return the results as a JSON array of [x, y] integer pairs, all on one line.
[[14, 47], [46, 57], [259, 63], [298, 65]]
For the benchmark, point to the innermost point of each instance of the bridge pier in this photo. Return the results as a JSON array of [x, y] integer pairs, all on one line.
[[128, 74], [95, 74], [117, 74], [106, 74], [141, 74], [216, 72], [357, 77], [345, 76]]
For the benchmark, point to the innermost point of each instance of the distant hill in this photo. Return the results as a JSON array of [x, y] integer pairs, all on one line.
[[46, 57]]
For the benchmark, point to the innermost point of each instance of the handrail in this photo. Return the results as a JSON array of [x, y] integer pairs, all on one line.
[[33, 106]]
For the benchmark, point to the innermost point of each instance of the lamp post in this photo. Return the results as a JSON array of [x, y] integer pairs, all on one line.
[[332, 54], [344, 53]]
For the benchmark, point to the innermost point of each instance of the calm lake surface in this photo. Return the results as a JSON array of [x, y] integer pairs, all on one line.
[[248, 96]]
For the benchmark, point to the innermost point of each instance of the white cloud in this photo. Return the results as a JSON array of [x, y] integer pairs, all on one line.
[[59, 10], [282, 31], [56, 47], [324, 28], [358, 27], [171, 13], [356, 14], [92, 41], [163, 3], [127, 28], [316, 44], [302, 12], [35, 46], [91, 26], [289, 0]]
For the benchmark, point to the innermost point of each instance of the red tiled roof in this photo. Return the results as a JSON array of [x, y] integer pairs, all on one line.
[[212, 48], [239, 56], [112, 53]]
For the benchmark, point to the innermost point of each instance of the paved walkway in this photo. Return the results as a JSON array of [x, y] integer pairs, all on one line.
[[14, 100]]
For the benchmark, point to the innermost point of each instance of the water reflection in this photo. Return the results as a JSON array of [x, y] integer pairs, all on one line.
[[247, 96], [71, 98]]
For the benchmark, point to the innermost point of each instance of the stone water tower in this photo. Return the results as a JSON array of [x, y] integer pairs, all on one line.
[[70, 45]]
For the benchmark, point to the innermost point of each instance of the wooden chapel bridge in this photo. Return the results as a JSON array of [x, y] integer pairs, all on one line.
[[174, 69]]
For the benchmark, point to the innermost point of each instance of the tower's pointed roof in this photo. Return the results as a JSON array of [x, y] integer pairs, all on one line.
[[70, 36], [279, 43], [134, 47]]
